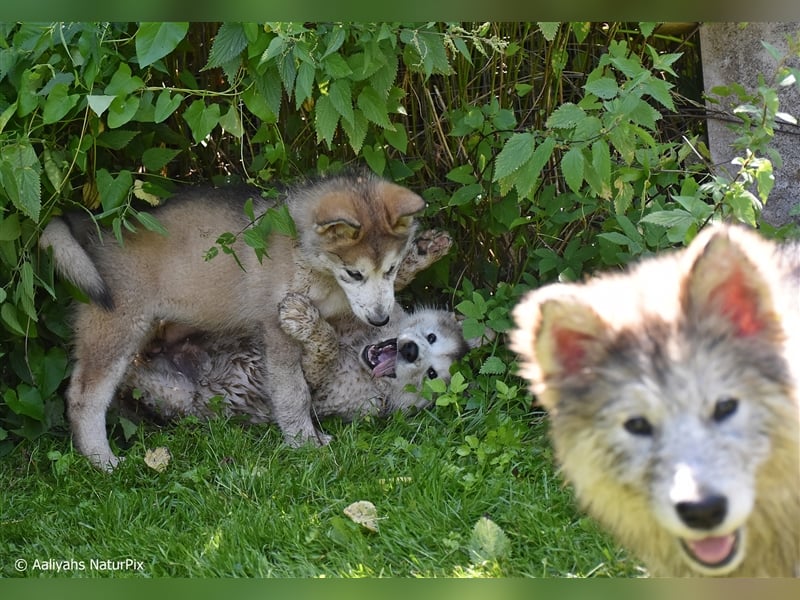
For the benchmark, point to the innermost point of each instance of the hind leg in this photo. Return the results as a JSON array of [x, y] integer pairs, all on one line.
[[105, 343]]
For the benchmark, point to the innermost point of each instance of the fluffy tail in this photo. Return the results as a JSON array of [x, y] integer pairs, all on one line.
[[74, 263]]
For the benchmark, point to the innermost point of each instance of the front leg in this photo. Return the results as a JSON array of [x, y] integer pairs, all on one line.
[[288, 391], [301, 320], [428, 247]]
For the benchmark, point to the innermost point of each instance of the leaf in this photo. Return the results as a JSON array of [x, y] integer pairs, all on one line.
[[549, 30], [304, 84], [335, 40], [231, 122], [565, 116], [516, 152], [669, 218], [201, 119], [113, 190], [122, 82], [572, 165], [9, 227], [326, 117], [58, 104], [166, 105], [488, 542], [156, 40], [604, 88], [342, 100], [397, 138], [158, 458], [374, 107], [227, 45], [155, 159], [364, 513], [122, 110], [26, 400], [99, 103], [9, 315], [150, 222], [647, 28], [20, 176], [356, 131], [493, 365]]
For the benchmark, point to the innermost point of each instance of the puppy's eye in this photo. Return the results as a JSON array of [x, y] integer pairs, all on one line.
[[432, 374], [431, 337], [638, 426], [389, 272], [724, 408], [355, 275]]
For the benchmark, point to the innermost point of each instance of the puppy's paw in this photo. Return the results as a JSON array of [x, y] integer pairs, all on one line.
[[297, 315]]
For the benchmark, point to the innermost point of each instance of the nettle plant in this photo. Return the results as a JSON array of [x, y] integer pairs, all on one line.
[[538, 146]]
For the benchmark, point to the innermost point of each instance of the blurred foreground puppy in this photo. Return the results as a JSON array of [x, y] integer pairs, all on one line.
[[352, 233], [673, 396]]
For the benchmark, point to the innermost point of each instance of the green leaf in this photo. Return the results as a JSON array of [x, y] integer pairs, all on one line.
[[647, 29], [466, 194], [26, 400], [99, 103], [604, 87], [58, 104], [155, 159], [227, 45], [566, 116], [9, 315], [658, 89], [356, 131], [326, 117], [9, 228], [516, 152], [549, 30], [122, 82], [122, 110], [231, 122], [166, 105], [375, 157], [398, 137], [201, 119], [150, 223], [20, 177], [572, 168], [335, 39], [488, 542], [156, 40], [336, 67], [493, 365], [304, 83], [113, 191], [342, 100], [374, 107], [669, 218], [764, 179]]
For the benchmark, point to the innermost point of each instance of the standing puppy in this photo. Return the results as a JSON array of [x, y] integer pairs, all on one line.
[[353, 232], [673, 395]]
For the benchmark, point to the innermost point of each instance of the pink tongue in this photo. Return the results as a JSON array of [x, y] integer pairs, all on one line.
[[712, 550], [386, 364]]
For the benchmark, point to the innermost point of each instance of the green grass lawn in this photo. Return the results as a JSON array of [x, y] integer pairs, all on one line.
[[235, 501]]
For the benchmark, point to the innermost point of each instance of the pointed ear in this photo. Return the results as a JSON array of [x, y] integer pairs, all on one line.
[[557, 336], [401, 206], [725, 290], [335, 218]]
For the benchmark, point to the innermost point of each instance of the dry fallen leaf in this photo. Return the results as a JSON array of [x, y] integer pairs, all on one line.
[[157, 458], [364, 513]]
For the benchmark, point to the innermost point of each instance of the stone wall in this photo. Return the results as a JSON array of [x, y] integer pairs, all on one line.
[[733, 53]]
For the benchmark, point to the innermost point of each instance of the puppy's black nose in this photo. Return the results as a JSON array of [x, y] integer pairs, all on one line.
[[707, 513], [377, 323], [409, 351]]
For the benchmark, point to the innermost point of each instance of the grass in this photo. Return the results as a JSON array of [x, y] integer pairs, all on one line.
[[235, 501]]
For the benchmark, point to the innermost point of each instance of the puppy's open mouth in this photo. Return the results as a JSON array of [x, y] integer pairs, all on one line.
[[381, 358], [716, 552]]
